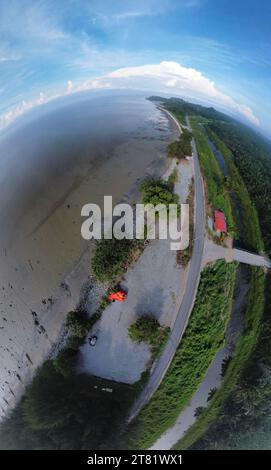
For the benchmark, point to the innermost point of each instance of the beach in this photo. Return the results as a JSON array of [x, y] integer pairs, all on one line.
[[49, 169]]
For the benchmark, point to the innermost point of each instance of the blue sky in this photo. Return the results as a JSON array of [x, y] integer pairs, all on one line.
[[213, 51]]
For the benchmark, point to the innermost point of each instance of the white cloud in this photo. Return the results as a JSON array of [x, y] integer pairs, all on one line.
[[9, 59], [24, 106], [166, 76], [187, 81]]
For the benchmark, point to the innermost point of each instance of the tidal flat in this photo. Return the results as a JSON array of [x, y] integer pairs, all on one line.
[[67, 155]]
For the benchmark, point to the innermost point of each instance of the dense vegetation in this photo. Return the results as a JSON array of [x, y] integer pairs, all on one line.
[[78, 324], [156, 191], [252, 156], [181, 108], [65, 361], [74, 412], [237, 412], [227, 192], [111, 257], [181, 148], [148, 329], [247, 229], [217, 191], [203, 337], [239, 407]]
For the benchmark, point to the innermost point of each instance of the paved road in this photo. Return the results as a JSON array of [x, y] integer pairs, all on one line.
[[213, 252], [250, 258], [187, 304]]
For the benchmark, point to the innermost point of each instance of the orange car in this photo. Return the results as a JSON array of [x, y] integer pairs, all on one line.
[[120, 296]]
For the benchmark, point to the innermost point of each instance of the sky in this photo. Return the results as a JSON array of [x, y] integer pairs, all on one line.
[[216, 52]]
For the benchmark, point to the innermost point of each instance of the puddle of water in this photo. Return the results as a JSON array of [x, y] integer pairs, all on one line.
[[220, 158]]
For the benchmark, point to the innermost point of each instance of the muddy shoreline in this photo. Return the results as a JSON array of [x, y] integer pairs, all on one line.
[[46, 266]]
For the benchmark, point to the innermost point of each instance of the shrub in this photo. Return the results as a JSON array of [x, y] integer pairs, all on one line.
[[78, 324], [211, 393], [156, 191], [41, 402], [198, 411], [182, 147], [65, 362], [173, 178], [149, 330], [67, 413], [74, 342], [225, 364], [110, 258]]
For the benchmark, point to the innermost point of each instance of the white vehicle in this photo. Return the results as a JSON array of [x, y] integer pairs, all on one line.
[[92, 340]]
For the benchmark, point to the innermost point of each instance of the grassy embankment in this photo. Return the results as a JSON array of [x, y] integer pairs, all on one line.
[[248, 228], [236, 417], [217, 192], [244, 421], [227, 193], [203, 337], [250, 235], [245, 219], [219, 189], [236, 368], [252, 156]]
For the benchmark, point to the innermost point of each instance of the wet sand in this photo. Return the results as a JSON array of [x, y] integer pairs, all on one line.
[[41, 248]]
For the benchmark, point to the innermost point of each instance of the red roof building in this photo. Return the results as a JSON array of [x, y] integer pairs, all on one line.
[[220, 222]]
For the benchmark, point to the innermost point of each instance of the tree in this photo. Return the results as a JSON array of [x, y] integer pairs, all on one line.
[[181, 148], [78, 324], [148, 330], [110, 258], [45, 405], [65, 362], [156, 191]]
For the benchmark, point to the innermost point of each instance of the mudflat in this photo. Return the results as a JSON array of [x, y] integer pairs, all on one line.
[[50, 167]]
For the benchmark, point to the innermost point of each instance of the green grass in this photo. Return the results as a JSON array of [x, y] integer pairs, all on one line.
[[227, 193], [203, 337], [247, 228], [217, 191], [244, 349]]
